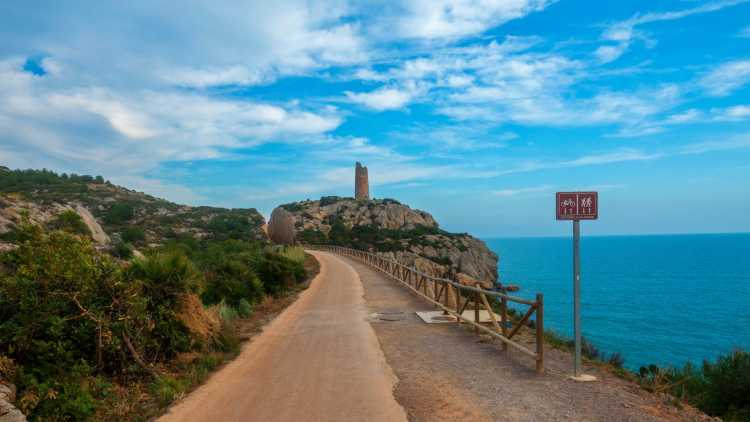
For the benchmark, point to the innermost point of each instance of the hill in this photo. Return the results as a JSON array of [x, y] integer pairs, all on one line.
[[385, 226], [113, 215]]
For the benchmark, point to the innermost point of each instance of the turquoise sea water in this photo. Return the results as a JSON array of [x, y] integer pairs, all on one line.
[[655, 299]]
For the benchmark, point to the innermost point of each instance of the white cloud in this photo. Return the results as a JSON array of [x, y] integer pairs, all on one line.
[[624, 32], [613, 157], [382, 98], [726, 77], [710, 6], [520, 191], [435, 19], [619, 156], [737, 142], [734, 113], [207, 77], [687, 116], [610, 53], [125, 134], [205, 44]]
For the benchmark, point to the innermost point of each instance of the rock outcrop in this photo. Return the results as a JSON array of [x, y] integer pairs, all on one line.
[[8, 412], [395, 230], [113, 213]]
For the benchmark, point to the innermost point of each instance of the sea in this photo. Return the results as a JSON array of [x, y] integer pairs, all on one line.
[[661, 299]]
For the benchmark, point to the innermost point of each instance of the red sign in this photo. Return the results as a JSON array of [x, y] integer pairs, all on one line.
[[577, 205]]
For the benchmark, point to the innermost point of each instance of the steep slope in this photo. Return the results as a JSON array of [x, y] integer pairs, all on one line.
[[113, 214], [388, 227]]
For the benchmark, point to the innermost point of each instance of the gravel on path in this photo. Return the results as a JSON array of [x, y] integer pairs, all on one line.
[[446, 373]]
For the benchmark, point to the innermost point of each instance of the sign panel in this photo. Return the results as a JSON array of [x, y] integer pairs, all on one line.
[[577, 205]]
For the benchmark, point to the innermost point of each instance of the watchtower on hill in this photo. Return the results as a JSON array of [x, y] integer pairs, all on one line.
[[361, 184]]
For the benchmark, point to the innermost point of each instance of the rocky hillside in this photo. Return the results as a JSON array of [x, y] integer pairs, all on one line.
[[113, 215], [388, 227]]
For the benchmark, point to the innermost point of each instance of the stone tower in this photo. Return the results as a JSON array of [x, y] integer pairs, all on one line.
[[361, 185]]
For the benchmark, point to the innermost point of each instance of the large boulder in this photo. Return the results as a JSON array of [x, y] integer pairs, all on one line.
[[281, 227]]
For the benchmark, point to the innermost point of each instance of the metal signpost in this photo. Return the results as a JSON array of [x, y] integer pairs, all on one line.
[[577, 206]]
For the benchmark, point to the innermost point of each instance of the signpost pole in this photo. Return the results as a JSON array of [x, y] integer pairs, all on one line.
[[577, 295], [577, 206]]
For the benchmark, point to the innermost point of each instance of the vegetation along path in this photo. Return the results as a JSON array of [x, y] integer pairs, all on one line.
[[351, 348], [318, 361]]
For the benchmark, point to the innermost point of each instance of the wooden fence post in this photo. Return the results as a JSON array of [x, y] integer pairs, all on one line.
[[540, 333], [504, 319], [476, 311]]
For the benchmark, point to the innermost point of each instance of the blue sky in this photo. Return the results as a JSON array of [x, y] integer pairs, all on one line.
[[474, 110]]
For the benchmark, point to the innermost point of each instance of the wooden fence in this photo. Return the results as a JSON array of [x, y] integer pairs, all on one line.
[[448, 295]]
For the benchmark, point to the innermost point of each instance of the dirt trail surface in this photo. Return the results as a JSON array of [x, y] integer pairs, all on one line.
[[318, 361], [446, 373]]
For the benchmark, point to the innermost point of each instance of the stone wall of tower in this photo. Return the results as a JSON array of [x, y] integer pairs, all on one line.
[[361, 184]]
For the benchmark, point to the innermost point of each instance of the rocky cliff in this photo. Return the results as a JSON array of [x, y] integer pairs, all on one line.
[[390, 228]]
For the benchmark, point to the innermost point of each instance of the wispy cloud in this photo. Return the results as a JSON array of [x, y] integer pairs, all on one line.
[[382, 98], [620, 35], [726, 77], [438, 19], [521, 191], [736, 142]]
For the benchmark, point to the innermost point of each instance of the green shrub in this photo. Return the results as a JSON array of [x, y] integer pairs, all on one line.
[[279, 273], [727, 387], [71, 222], [133, 235], [227, 313], [55, 298], [167, 389], [720, 389], [165, 278], [48, 274], [244, 308], [230, 226], [329, 200], [294, 253], [122, 250], [119, 213], [228, 266]]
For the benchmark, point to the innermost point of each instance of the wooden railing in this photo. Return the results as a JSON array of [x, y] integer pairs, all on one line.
[[448, 295]]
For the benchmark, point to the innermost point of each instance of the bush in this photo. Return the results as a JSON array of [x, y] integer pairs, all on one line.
[[616, 359], [727, 387], [54, 301], [226, 312], [133, 235], [71, 222], [122, 250], [230, 226], [119, 213], [720, 389], [244, 308], [279, 273], [294, 253], [228, 267], [329, 200], [231, 281], [165, 278], [167, 389]]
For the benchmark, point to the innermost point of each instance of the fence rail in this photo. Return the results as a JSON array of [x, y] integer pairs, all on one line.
[[448, 295]]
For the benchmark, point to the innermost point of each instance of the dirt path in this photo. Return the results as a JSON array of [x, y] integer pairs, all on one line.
[[318, 361], [446, 373]]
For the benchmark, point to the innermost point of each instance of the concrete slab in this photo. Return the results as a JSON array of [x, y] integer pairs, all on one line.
[[438, 317]]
